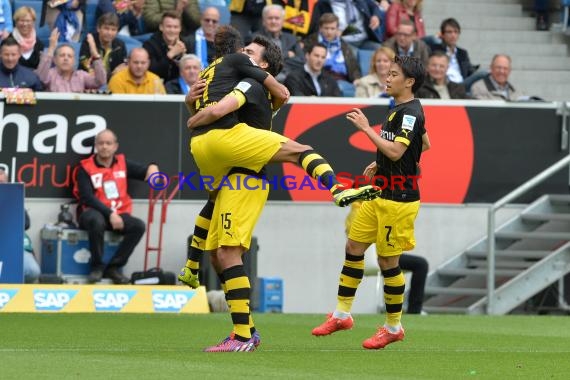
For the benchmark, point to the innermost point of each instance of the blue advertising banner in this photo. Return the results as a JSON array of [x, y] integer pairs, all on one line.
[[12, 227]]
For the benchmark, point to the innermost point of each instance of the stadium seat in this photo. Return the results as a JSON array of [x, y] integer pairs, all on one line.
[[225, 15], [364, 57], [90, 17]]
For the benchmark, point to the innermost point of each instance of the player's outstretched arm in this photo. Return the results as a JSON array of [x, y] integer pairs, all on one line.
[[229, 103], [279, 93]]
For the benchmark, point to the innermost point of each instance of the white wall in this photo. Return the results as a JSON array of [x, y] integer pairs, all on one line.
[[303, 243]]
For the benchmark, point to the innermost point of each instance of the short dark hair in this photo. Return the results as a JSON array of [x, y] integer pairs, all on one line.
[[170, 14], [412, 67], [309, 47], [439, 53], [9, 41], [271, 54], [328, 18], [227, 40], [108, 19], [451, 22]]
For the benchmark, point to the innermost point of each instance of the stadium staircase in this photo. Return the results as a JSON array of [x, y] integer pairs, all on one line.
[[532, 251], [540, 67]]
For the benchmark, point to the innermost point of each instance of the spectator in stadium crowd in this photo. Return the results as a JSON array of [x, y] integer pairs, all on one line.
[[6, 24], [104, 204], [410, 10], [131, 22], [359, 21], [25, 33], [202, 40], [64, 77], [187, 11], [436, 84], [136, 78], [12, 73], [373, 85], [165, 47], [31, 267], [460, 68], [341, 63], [405, 42], [496, 84], [313, 80], [273, 17], [67, 17], [112, 50], [190, 67], [246, 16], [541, 12]]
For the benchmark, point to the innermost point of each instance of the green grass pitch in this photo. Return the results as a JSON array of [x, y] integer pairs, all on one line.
[[167, 346]]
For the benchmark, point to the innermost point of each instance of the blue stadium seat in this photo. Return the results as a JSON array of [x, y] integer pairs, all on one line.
[[90, 18], [364, 57], [225, 15]]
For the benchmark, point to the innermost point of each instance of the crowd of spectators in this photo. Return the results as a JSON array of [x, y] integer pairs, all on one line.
[[177, 39]]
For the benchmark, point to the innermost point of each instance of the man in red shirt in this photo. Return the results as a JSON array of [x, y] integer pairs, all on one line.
[[104, 204]]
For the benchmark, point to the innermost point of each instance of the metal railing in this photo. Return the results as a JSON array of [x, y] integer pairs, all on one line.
[[522, 189]]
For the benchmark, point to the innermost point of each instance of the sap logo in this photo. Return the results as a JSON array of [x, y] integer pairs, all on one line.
[[52, 300], [6, 295], [112, 300], [171, 301]]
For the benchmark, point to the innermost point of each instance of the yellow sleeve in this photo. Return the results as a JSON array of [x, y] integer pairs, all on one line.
[[239, 96]]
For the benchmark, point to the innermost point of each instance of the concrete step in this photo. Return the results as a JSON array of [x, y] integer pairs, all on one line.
[[534, 235], [523, 62], [471, 36], [546, 217], [514, 49], [556, 77], [560, 199], [456, 9], [463, 272], [433, 22], [440, 290], [546, 91], [509, 253]]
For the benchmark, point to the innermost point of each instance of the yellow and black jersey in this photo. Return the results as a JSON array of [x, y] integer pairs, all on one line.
[[256, 110], [405, 124], [221, 77]]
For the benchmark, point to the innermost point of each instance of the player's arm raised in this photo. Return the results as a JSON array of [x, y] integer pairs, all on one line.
[[229, 103], [391, 149]]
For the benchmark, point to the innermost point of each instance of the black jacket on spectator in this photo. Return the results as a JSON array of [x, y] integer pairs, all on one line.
[[34, 60], [428, 91], [160, 64], [465, 66], [117, 56], [300, 83], [173, 87], [368, 8]]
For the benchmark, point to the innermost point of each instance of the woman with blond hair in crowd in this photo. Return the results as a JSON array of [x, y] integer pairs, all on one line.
[[373, 85], [405, 10], [25, 33]]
